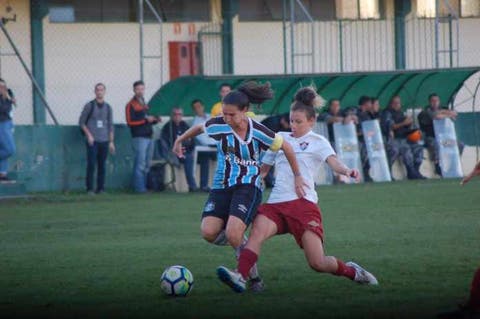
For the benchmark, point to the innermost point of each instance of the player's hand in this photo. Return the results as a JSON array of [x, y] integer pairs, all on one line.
[[151, 119], [111, 148], [300, 186], [90, 140], [353, 173], [475, 172], [178, 149]]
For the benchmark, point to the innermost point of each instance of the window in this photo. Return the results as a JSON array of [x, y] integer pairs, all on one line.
[[470, 8], [272, 10], [357, 9], [127, 10], [462, 8]]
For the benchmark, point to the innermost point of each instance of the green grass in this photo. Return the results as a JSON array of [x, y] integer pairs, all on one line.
[[78, 256]]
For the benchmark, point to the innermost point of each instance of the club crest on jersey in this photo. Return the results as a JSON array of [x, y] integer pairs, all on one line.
[[209, 207], [303, 146]]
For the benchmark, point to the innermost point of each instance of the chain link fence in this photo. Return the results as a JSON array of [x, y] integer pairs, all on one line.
[[77, 55]]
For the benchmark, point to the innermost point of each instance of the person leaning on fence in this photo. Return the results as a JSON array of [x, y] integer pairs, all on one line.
[[435, 112], [396, 126], [140, 123], [170, 132], [96, 123], [7, 142], [203, 139], [364, 113], [216, 110]]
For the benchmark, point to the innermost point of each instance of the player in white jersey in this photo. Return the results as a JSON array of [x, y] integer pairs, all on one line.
[[285, 212]]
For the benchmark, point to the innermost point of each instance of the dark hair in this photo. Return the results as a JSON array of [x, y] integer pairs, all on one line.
[[332, 100], [225, 85], [305, 100], [432, 95], [249, 92], [100, 84], [137, 83], [196, 101], [373, 98], [364, 99]]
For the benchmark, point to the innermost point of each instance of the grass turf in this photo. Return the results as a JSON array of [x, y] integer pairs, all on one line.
[[80, 256]]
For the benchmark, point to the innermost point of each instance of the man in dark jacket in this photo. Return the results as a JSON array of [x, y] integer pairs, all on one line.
[[170, 131], [140, 124]]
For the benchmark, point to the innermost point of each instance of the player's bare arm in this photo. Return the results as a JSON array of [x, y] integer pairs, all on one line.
[[340, 168], [299, 182], [190, 133]]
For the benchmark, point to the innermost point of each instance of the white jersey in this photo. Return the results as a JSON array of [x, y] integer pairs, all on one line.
[[310, 150]]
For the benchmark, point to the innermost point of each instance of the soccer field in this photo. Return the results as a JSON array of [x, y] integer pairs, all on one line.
[[80, 256]]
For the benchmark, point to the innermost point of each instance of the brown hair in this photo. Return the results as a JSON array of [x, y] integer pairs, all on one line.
[[306, 100], [249, 92]]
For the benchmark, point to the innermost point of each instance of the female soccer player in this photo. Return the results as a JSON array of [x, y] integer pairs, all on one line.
[[236, 190], [286, 212]]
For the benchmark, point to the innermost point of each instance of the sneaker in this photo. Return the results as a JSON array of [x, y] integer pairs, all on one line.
[[256, 284], [232, 279], [361, 275]]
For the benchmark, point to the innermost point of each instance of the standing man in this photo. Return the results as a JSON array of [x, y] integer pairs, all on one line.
[[96, 122], [203, 140], [7, 143], [170, 132], [435, 112], [225, 88], [140, 124]]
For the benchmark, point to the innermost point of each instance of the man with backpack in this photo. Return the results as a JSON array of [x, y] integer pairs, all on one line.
[[96, 123]]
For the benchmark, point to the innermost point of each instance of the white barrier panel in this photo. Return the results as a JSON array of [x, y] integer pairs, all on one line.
[[346, 145], [379, 170], [448, 153], [324, 176]]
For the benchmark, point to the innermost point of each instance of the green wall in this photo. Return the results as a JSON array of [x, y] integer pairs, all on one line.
[[53, 158]]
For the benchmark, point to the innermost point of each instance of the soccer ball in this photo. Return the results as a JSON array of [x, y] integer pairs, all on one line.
[[176, 281]]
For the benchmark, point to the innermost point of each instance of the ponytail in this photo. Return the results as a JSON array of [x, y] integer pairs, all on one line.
[[249, 92]]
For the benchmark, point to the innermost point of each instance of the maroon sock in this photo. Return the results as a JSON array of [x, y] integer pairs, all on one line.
[[475, 291], [246, 261], [344, 270]]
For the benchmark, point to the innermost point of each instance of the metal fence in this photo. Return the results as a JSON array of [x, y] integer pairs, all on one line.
[[78, 55]]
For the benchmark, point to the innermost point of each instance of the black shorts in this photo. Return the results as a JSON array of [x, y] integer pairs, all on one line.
[[240, 201]]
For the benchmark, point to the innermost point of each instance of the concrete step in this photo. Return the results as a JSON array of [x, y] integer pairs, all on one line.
[[12, 189]]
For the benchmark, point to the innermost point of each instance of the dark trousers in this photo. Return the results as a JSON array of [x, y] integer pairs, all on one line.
[[96, 156]]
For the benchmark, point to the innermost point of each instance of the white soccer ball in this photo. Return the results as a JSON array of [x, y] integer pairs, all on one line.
[[176, 281]]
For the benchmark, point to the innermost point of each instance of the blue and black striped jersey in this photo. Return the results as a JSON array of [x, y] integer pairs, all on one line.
[[239, 160]]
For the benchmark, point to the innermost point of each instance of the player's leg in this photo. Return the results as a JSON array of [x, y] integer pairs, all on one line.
[[314, 252], [215, 213], [211, 228]]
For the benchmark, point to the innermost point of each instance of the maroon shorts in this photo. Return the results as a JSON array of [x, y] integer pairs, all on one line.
[[294, 217]]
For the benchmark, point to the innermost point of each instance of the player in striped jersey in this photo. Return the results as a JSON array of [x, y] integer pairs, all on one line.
[[236, 190]]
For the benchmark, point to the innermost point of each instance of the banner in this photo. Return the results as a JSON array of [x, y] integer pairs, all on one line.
[[448, 152]]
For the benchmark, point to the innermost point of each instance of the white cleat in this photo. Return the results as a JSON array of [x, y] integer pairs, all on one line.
[[232, 279], [361, 275]]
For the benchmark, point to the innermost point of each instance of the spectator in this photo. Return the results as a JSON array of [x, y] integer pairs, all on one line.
[[375, 112], [203, 140], [278, 123], [140, 124], [364, 113], [396, 126], [225, 88], [170, 131], [434, 112], [332, 116], [7, 143], [96, 123]]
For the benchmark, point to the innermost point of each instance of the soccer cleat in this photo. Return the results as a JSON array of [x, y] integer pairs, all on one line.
[[256, 284], [361, 275], [232, 279]]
